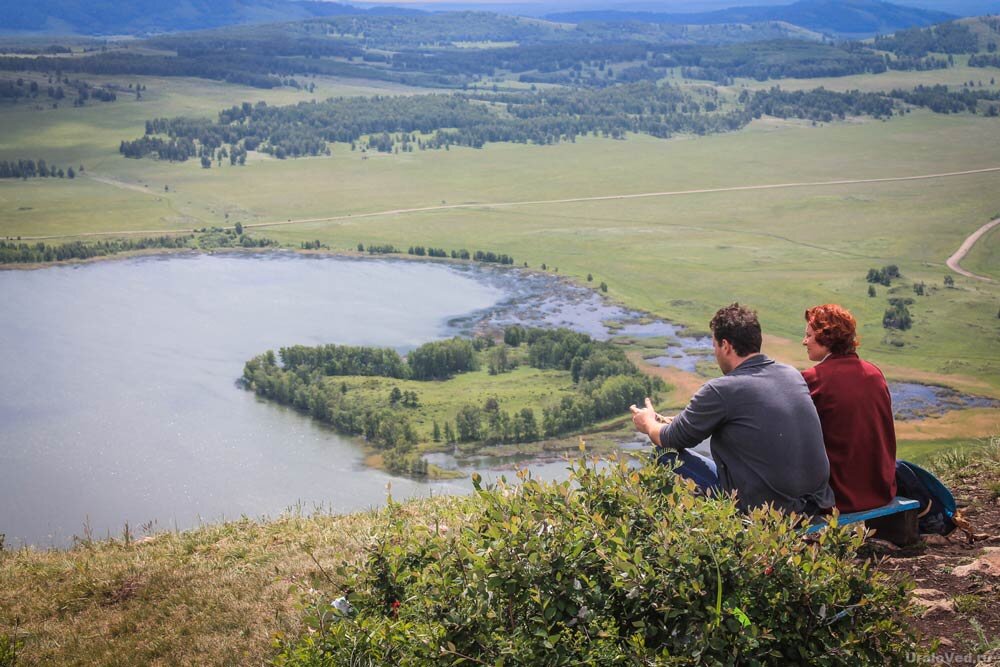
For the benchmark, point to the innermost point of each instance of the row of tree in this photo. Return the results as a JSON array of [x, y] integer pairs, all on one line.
[[431, 361], [19, 252], [334, 360], [984, 60], [218, 237], [174, 150], [475, 118], [818, 104], [421, 251], [484, 256], [939, 99], [13, 90], [14, 252], [34, 169]]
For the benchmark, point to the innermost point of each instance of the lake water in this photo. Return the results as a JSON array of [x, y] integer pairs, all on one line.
[[118, 401], [117, 395]]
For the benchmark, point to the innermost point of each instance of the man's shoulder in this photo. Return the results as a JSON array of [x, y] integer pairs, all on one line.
[[762, 365], [784, 368], [769, 376], [714, 386], [788, 375], [755, 374]]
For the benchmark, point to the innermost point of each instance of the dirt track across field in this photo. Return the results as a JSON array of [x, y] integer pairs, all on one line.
[[966, 246], [640, 195], [536, 202]]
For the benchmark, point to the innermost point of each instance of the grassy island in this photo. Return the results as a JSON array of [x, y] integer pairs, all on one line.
[[457, 393]]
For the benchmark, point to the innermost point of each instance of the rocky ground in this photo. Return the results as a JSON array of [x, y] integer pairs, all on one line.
[[957, 581]]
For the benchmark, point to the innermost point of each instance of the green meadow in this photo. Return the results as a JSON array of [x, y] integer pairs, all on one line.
[[678, 255], [926, 451], [953, 76], [440, 400]]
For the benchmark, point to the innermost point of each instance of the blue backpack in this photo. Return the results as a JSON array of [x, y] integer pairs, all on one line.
[[938, 513]]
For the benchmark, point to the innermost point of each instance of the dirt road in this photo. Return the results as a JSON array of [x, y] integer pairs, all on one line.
[[535, 202], [966, 246]]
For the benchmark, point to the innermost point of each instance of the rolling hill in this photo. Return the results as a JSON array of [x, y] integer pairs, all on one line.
[[103, 17], [841, 17]]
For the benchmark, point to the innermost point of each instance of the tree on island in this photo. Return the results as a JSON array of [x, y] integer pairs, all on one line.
[[469, 423]]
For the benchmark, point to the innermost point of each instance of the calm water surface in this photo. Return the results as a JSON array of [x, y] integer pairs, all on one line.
[[117, 394]]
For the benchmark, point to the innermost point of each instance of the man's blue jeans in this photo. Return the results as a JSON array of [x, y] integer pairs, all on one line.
[[691, 465]]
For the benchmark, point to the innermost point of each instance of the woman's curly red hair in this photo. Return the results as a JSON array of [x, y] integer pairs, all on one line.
[[835, 328]]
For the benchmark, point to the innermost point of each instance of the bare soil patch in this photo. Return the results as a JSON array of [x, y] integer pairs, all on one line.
[[957, 583]]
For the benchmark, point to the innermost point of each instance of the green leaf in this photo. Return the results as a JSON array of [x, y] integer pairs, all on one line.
[[741, 617]]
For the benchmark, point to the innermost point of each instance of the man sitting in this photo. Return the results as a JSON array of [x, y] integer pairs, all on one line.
[[766, 439]]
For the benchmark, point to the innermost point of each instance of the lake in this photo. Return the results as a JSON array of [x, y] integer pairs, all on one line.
[[118, 400]]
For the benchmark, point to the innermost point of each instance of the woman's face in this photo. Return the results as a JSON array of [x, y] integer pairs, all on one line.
[[815, 351]]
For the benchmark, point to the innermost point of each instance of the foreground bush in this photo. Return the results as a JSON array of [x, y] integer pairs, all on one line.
[[616, 566]]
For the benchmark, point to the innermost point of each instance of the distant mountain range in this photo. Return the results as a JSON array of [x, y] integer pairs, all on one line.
[[841, 17], [111, 17]]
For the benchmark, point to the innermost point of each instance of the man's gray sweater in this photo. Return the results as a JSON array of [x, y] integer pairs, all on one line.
[[766, 437]]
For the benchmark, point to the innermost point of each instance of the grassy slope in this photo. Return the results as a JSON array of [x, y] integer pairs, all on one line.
[[216, 595], [211, 596]]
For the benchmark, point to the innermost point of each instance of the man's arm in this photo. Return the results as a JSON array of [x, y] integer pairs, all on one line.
[[697, 421], [649, 421]]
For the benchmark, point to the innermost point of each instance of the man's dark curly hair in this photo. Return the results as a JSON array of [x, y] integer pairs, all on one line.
[[737, 324]]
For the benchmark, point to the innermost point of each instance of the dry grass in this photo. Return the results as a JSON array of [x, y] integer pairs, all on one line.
[[217, 595]]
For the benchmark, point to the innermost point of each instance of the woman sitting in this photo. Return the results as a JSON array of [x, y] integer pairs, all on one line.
[[855, 410]]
